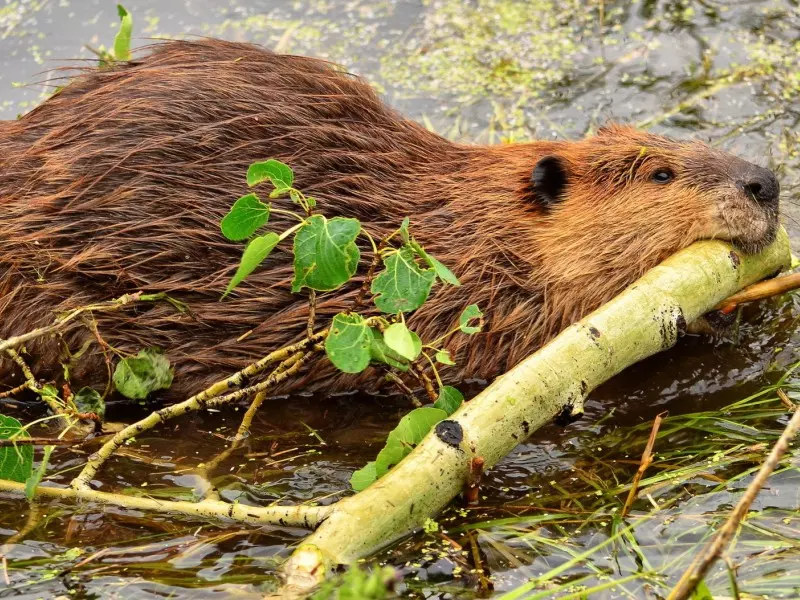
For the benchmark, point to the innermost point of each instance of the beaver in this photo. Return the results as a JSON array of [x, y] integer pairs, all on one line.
[[118, 183]]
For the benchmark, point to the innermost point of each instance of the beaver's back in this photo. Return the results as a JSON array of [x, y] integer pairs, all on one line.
[[119, 181]]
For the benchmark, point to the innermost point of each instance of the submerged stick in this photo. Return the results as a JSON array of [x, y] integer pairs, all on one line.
[[697, 570], [645, 319]]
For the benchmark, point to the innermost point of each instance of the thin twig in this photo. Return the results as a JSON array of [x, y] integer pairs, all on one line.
[[52, 402], [106, 356], [85, 561], [484, 582], [697, 570], [647, 459], [786, 401], [472, 493], [241, 434], [287, 368], [64, 320], [365, 285], [209, 397], [301, 515], [20, 441], [759, 291], [312, 312], [426, 382], [30, 380], [394, 378], [15, 391]]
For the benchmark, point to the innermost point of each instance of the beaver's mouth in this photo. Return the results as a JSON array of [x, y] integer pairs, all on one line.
[[754, 245], [749, 226]]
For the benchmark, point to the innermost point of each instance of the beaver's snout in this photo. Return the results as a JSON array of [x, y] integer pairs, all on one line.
[[747, 203], [761, 185]]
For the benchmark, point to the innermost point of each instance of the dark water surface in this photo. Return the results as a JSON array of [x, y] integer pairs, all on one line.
[[485, 70]]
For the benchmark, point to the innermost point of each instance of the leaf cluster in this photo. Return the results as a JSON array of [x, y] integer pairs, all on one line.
[[326, 257]]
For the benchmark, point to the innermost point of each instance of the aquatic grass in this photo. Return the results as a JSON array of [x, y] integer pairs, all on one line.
[[703, 462]]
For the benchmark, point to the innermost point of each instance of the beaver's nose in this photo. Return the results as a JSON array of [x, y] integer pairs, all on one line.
[[762, 185]]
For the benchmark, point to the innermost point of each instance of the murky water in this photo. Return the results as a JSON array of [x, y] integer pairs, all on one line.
[[484, 70]]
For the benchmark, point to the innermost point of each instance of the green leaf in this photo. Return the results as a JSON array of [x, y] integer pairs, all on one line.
[[16, 462], [404, 230], [380, 352], [701, 592], [443, 356], [50, 391], [364, 477], [403, 341], [402, 286], [325, 253], [391, 454], [246, 215], [89, 400], [449, 399], [32, 482], [254, 254], [139, 376], [442, 272], [404, 438], [122, 41], [278, 173], [348, 343], [470, 313]]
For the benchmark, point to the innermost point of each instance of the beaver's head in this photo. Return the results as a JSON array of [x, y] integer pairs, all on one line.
[[625, 172], [617, 203]]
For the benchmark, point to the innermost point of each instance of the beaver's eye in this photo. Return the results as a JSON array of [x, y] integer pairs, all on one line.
[[663, 176]]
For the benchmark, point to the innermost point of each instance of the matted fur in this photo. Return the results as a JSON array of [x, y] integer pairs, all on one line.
[[118, 184]]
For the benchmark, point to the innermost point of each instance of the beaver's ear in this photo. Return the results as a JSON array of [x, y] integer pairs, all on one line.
[[549, 179]]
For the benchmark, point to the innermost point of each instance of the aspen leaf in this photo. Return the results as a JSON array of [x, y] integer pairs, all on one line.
[[256, 252], [279, 174], [245, 217], [325, 253], [122, 41], [137, 377], [402, 286], [16, 462], [403, 341], [348, 343], [449, 399], [470, 314]]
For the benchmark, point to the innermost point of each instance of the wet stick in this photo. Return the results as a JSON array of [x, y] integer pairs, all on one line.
[[695, 573], [645, 319], [760, 291], [647, 459], [288, 516]]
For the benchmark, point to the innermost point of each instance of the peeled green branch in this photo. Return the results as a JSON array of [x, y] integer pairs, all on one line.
[[645, 319]]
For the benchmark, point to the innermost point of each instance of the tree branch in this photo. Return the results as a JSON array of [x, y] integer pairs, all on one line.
[[645, 319]]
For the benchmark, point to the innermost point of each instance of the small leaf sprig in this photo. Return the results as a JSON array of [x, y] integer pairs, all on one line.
[[326, 257]]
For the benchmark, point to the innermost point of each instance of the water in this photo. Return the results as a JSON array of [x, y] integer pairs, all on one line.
[[484, 70]]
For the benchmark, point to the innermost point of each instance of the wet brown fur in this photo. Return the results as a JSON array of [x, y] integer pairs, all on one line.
[[118, 184]]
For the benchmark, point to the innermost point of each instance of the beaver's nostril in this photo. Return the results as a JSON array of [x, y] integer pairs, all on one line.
[[754, 189], [762, 186]]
